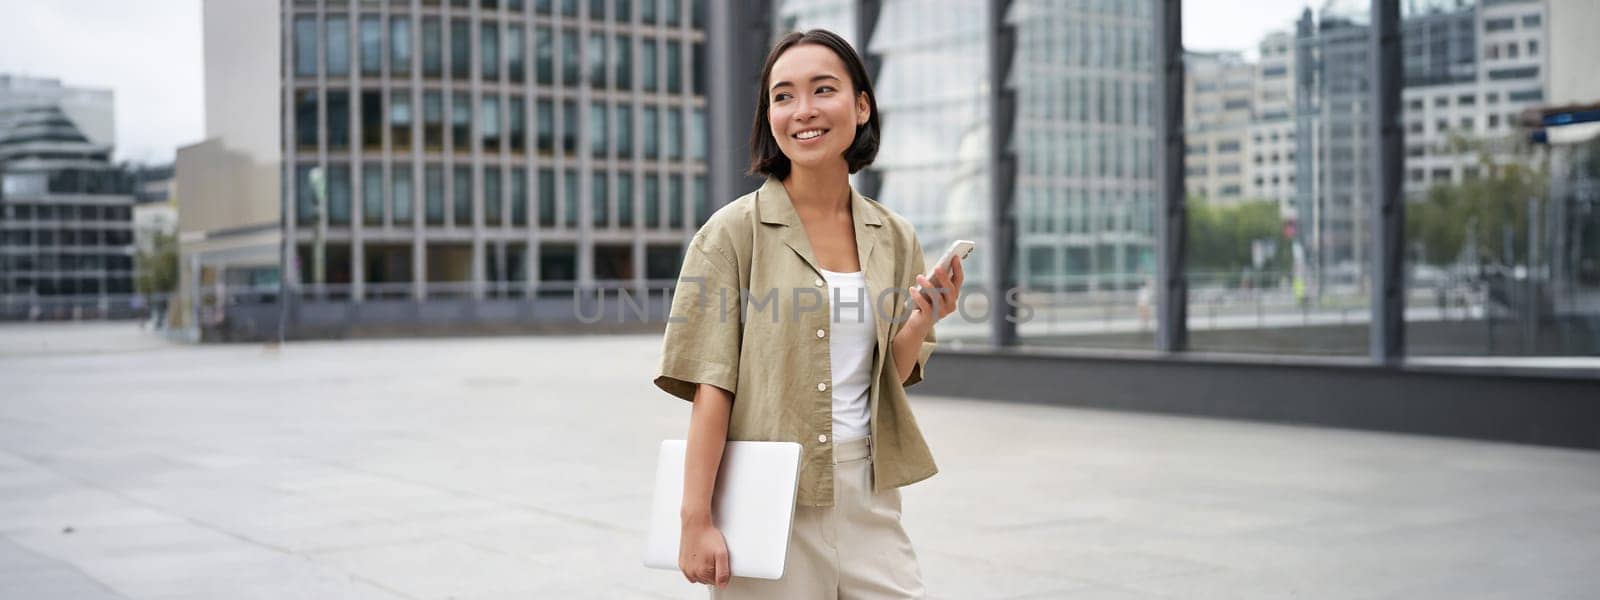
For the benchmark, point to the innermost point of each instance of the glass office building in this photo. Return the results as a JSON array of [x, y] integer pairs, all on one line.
[[483, 148]]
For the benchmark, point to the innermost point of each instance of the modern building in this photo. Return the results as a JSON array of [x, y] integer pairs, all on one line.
[[1082, 131], [1220, 92], [66, 237], [464, 150]]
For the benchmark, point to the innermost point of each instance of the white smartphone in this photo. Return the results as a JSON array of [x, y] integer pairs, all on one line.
[[961, 248]]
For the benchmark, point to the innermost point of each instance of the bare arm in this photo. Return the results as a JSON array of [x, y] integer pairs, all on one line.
[[708, 429], [702, 552]]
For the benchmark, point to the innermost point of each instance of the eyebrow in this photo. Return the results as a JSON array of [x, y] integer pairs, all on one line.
[[813, 80]]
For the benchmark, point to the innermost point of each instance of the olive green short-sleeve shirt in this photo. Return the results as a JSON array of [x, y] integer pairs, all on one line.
[[750, 315]]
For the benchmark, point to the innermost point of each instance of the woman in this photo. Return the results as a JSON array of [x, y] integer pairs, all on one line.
[[791, 323]]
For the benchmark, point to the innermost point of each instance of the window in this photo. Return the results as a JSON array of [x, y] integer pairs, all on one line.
[[339, 195], [675, 201], [547, 198], [461, 196], [305, 120], [489, 124], [1466, 100], [674, 67], [651, 130], [491, 196], [1533, 20], [400, 45], [518, 119], [1529, 72], [305, 46], [402, 196], [1491, 51], [1494, 121], [516, 63], [1533, 47], [702, 201], [1441, 101], [432, 48], [433, 185], [338, 119], [1534, 95], [372, 194], [545, 121], [338, 46], [623, 59], [433, 120], [400, 119], [306, 192], [647, 60], [698, 60], [460, 50], [569, 198], [569, 57], [697, 134], [1511, 50], [489, 50], [674, 133], [544, 56], [569, 8], [598, 205], [1227, 146], [625, 200], [624, 131], [670, 9], [519, 197], [597, 129], [1466, 123], [1504, 24], [372, 119], [597, 10], [569, 127], [647, 10], [460, 122], [597, 60], [371, 45]]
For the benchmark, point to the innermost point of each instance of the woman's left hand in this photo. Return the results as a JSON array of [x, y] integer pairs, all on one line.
[[938, 296]]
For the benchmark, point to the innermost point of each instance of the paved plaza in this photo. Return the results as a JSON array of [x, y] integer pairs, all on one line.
[[497, 468]]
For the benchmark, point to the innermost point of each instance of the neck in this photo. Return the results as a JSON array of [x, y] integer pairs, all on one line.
[[819, 191]]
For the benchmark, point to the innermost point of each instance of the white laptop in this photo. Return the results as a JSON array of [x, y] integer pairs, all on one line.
[[753, 506]]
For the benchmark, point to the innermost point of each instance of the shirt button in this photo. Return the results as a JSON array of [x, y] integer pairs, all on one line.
[[822, 387], [823, 438], [822, 333], [819, 282]]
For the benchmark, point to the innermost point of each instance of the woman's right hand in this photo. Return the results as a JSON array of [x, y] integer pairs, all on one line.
[[703, 553]]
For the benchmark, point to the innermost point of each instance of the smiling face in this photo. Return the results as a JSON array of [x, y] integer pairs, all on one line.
[[814, 109]]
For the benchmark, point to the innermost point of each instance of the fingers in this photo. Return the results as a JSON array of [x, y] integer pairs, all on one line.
[[959, 275], [917, 296], [723, 571]]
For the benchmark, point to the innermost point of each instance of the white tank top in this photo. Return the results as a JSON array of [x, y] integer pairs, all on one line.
[[853, 338]]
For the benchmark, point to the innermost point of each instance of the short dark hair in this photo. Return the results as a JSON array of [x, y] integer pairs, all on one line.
[[766, 158]]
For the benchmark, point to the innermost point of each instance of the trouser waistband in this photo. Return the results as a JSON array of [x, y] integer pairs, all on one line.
[[852, 449]]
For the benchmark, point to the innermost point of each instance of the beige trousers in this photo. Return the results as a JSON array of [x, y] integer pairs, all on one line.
[[854, 549]]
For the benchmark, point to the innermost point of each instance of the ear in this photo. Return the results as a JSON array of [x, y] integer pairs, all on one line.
[[863, 109]]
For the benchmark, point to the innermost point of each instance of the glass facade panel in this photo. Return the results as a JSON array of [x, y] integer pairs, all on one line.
[[516, 54], [597, 129], [519, 197], [460, 49], [372, 194], [402, 197], [338, 119], [461, 196], [338, 195], [400, 119], [432, 47], [489, 50], [433, 188], [371, 45], [305, 46], [547, 198], [400, 45], [492, 199], [338, 49], [433, 120], [599, 204]]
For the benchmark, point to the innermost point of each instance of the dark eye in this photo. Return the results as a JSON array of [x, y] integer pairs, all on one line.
[[824, 89], [780, 97]]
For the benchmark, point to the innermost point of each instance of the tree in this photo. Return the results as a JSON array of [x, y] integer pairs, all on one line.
[[1486, 205], [158, 269], [1220, 235]]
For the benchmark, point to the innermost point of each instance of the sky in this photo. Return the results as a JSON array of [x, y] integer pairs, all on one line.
[[149, 53]]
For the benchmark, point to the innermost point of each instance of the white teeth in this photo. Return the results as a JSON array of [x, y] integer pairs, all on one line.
[[806, 135]]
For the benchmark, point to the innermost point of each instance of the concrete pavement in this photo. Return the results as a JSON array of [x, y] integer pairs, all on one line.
[[490, 468]]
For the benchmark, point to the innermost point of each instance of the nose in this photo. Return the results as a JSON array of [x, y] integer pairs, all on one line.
[[806, 112]]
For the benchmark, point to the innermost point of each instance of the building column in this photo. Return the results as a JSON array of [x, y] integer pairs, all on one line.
[[1172, 298], [1386, 339], [1002, 176]]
